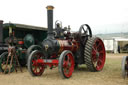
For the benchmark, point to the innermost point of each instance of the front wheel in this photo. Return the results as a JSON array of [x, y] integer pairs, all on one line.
[[3, 60], [34, 67], [125, 67], [66, 64]]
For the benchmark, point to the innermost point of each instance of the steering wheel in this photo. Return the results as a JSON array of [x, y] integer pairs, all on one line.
[[84, 32]]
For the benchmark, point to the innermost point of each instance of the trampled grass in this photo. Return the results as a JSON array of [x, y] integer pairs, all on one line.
[[110, 75]]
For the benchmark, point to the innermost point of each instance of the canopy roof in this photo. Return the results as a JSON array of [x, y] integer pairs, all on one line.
[[23, 26]]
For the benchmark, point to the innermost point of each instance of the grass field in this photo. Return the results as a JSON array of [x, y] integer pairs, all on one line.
[[110, 75]]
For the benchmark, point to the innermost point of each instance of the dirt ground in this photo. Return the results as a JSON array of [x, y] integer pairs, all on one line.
[[110, 75]]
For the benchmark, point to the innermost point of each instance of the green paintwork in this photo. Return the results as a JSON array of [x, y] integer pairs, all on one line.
[[39, 33], [21, 31], [29, 40]]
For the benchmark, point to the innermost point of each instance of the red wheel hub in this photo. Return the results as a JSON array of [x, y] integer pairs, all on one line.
[[98, 54]]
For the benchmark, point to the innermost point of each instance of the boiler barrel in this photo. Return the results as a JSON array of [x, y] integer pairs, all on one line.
[[67, 45]]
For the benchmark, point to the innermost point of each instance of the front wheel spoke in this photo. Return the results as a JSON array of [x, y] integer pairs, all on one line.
[[35, 69], [65, 64], [68, 59], [65, 70], [34, 64], [39, 68], [71, 69]]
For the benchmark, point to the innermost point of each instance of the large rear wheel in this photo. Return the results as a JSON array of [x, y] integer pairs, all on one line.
[[66, 64], [34, 67], [94, 54]]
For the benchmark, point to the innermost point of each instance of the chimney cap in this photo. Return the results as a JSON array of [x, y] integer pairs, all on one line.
[[50, 7]]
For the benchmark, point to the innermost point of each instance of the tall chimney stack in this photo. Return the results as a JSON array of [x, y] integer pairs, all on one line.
[[50, 21]]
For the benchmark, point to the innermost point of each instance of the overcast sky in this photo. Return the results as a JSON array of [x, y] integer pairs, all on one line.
[[104, 16]]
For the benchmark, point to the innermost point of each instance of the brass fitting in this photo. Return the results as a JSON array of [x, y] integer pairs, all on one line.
[[46, 47], [50, 7]]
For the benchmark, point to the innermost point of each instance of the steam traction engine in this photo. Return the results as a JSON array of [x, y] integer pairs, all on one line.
[[66, 50], [125, 67]]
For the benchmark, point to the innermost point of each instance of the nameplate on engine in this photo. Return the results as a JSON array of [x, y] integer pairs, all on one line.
[[49, 60]]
